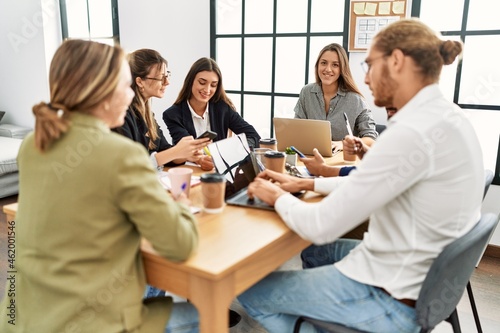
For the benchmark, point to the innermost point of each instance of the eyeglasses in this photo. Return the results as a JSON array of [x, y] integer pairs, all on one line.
[[367, 66], [163, 79]]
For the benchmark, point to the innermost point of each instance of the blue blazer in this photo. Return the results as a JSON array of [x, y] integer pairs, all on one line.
[[222, 118]]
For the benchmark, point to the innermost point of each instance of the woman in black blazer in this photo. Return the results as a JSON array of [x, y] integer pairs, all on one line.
[[150, 78], [203, 105]]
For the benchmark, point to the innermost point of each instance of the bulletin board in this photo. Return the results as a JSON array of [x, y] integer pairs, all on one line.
[[368, 17]]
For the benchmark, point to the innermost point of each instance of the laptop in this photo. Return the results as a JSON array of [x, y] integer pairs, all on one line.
[[304, 134], [236, 192], [2, 113], [234, 159]]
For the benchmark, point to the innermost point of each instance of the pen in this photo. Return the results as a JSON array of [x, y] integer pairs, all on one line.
[[349, 129], [348, 125], [207, 152]]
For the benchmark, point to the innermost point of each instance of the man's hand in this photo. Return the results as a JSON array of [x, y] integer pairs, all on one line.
[[265, 190], [314, 164]]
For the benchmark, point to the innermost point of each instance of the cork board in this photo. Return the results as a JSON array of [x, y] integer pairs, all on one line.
[[368, 17]]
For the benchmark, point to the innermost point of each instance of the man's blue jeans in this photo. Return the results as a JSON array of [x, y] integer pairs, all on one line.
[[321, 291]]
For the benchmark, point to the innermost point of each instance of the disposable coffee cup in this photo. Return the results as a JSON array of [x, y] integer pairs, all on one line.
[[349, 158], [275, 160], [269, 143], [259, 154], [180, 180], [213, 187]]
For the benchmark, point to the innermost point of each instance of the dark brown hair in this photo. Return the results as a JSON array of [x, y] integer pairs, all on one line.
[[201, 65]]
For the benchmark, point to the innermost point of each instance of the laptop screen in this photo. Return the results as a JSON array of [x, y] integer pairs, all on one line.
[[305, 134], [233, 159], [245, 173]]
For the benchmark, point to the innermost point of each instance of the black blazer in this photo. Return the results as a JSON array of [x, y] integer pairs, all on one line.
[[135, 128], [222, 118]]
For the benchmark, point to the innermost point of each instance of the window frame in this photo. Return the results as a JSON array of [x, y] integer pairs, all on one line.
[[274, 35], [115, 22], [463, 33]]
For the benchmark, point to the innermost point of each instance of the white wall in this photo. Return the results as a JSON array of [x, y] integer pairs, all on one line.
[[30, 31], [179, 30]]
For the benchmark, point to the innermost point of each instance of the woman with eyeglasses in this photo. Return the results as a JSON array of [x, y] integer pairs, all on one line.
[[203, 105], [334, 93], [150, 77]]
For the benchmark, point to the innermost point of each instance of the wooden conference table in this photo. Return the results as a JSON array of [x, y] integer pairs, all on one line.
[[237, 248]]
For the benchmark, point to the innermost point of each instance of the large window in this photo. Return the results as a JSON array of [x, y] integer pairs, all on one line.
[[95, 20], [473, 83], [267, 48]]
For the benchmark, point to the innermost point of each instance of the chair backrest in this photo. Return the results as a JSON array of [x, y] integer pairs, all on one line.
[[380, 128], [496, 178], [488, 178], [449, 274]]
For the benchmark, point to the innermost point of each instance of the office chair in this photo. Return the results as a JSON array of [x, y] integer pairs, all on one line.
[[488, 178], [380, 128], [444, 284]]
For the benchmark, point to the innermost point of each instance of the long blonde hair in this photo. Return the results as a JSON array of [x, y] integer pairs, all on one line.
[[82, 75]]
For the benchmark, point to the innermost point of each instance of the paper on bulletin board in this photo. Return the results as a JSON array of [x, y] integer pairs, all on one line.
[[367, 27], [384, 8], [398, 7]]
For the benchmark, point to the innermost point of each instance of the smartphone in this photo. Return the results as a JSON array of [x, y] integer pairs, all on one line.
[[208, 134], [297, 151]]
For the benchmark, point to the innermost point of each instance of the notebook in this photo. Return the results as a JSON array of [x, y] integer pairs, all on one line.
[[304, 134]]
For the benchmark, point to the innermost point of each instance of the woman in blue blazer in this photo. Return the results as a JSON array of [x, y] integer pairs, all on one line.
[[203, 105]]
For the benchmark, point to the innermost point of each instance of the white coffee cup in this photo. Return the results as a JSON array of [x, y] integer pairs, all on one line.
[[180, 180]]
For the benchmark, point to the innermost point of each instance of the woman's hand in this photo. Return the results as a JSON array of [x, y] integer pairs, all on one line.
[[355, 146], [205, 162], [183, 199], [188, 148]]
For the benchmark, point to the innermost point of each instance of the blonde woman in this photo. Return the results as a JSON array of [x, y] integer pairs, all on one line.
[[87, 198]]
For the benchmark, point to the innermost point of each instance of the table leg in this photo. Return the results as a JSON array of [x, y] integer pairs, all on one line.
[[212, 299]]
